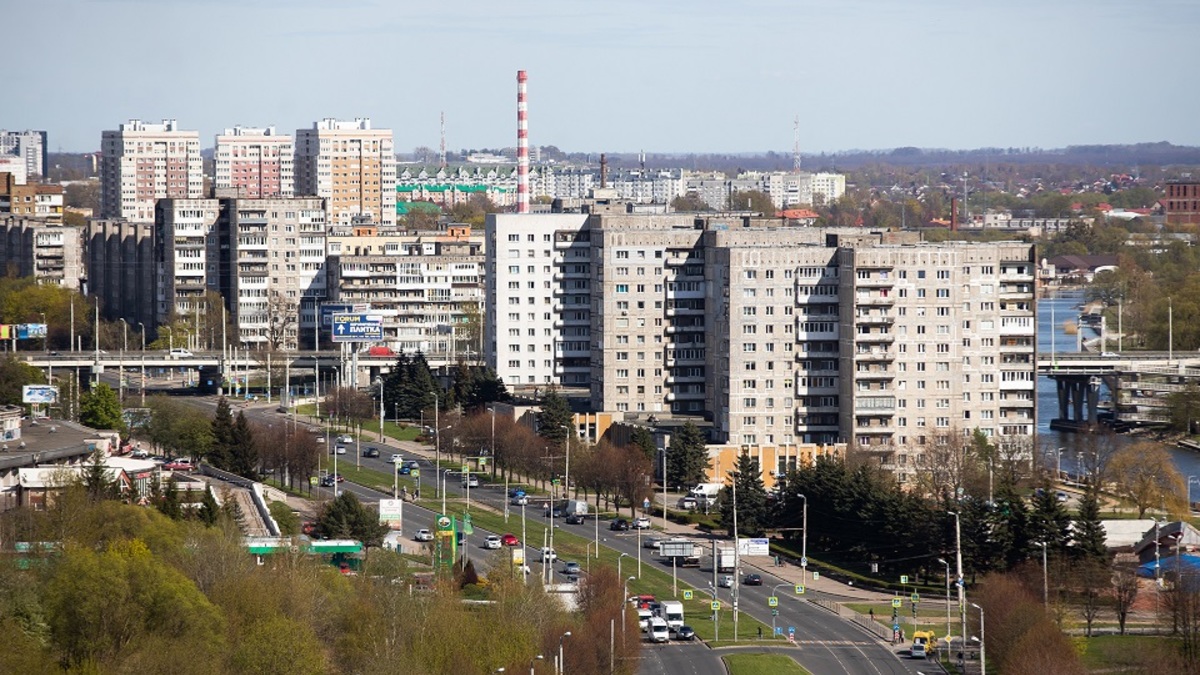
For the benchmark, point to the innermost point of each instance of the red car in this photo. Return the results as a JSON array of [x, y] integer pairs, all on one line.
[[510, 540], [179, 465]]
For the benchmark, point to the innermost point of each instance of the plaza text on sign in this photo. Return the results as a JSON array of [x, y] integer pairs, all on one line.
[[357, 328]]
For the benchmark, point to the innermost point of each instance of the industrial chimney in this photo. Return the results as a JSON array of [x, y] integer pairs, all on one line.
[[522, 146]]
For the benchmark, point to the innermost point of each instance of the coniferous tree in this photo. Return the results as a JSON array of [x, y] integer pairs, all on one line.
[[394, 384], [489, 388], [1088, 536], [209, 509], [220, 453], [687, 459], [555, 418], [644, 440], [243, 451], [1049, 521], [96, 480], [752, 509], [170, 505], [1010, 527]]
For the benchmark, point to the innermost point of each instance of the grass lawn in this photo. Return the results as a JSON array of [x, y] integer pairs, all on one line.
[[762, 664], [929, 616], [1118, 653]]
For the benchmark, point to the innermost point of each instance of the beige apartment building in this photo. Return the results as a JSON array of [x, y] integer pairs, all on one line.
[[254, 163], [141, 163], [51, 253], [351, 166]]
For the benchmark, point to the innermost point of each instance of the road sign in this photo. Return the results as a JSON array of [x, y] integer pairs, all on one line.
[[357, 328], [799, 589], [816, 575], [645, 504], [772, 601], [791, 637], [415, 473], [791, 630], [779, 630], [687, 595], [715, 605], [916, 598], [895, 602], [774, 612], [904, 578], [465, 468], [804, 562], [896, 627]]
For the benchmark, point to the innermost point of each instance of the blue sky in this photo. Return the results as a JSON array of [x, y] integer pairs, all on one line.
[[616, 75]]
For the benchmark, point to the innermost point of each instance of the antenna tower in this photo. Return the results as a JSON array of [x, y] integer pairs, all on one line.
[[796, 145], [443, 139]]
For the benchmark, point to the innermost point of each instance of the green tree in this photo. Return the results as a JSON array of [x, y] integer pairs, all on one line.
[[97, 481], [100, 409], [243, 449], [346, 518], [644, 441], [170, 505], [1184, 407], [690, 202], [15, 374], [1145, 475], [1049, 522], [489, 388], [753, 516], [752, 200], [220, 454], [554, 420], [1010, 527], [209, 511], [1088, 535], [687, 458]]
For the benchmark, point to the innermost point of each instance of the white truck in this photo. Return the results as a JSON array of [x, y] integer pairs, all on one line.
[[726, 559], [705, 494], [672, 612]]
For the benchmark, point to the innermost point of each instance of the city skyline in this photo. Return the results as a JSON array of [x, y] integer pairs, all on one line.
[[619, 76]]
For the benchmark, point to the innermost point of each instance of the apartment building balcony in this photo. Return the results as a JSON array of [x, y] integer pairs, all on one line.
[[874, 374], [559, 275], [684, 311], [874, 319], [1018, 385], [683, 379], [874, 282], [874, 336], [874, 300], [817, 409], [875, 428], [875, 355], [1011, 347]]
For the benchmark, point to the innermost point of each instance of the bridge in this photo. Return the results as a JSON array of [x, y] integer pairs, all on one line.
[[212, 365], [1140, 383]]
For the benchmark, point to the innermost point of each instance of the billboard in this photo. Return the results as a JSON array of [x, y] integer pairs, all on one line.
[[39, 393], [391, 513], [677, 549], [357, 328], [754, 546], [328, 309]]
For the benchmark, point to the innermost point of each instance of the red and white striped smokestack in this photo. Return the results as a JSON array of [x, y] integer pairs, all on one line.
[[522, 146]]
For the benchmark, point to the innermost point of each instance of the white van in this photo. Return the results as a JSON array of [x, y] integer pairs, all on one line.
[[659, 631], [178, 353], [672, 612], [644, 616]]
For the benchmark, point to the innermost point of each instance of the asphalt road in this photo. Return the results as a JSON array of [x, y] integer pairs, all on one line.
[[678, 659], [827, 644]]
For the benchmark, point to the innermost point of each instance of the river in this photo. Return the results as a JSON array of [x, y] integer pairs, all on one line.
[[1064, 306]]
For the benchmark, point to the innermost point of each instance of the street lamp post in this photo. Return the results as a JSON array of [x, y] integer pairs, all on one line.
[[562, 666], [982, 641], [962, 588], [121, 363], [804, 542], [947, 564], [624, 607], [775, 612], [619, 558], [45, 335], [380, 381], [539, 657], [737, 563], [1045, 576], [437, 444], [142, 326]]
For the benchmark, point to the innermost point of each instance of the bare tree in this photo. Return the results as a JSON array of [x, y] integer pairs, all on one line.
[[281, 321], [1125, 590], [945, 465]]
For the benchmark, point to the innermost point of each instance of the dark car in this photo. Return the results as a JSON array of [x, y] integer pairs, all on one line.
[[371, 451], [752, 580], [619, 525], [574, 519], [685, 633]]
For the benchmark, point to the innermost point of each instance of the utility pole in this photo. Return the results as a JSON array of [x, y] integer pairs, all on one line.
[[962, 588]]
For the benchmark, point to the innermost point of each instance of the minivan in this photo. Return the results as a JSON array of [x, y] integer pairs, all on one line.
[[659, 631]]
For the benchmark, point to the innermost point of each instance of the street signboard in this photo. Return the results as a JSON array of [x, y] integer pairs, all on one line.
[[391, 513], [804, 562], [816, 575], [357, 328], [773, 601], [791, 630], [895, 602], [754, 546], [466, 468], [38, 393], [916, 597], [779, 630], [715, 604], [688, 595], [799, 589], [415, 473], [904, 578]]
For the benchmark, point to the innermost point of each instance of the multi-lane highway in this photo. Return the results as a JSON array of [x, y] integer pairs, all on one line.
[[825, 643]]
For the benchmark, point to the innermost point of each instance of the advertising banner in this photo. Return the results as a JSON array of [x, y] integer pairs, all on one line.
[[391, 513], [754, 546], [39, 393]]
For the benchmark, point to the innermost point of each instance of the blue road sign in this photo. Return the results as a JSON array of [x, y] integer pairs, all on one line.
[[779, 630], [895, 627], [357, 328], [791, 630]]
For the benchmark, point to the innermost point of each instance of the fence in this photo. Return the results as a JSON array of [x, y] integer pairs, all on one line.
[[871, 626]]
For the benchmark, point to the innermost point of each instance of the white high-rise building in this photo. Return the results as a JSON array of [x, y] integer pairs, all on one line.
[[142, 163], [254, 163], [350, 165], [30, 146]]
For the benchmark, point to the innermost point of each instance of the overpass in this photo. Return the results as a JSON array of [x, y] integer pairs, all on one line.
[[1140, 383]]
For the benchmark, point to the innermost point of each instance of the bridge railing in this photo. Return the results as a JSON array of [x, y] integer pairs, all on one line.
[[870, 625]]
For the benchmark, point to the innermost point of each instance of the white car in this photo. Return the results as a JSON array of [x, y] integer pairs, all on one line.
[[345, 439], [492, 541], [395, 458], [470, 480], [726, 581], [340, 449], [423, 535], [548, 555], [519, 501], [642, 523], [180, 354]]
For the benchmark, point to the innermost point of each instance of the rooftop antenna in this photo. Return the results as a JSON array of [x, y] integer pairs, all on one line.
[[796, 145], [443, 139], [642, 159]]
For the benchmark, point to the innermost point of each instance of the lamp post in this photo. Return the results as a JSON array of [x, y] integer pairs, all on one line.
[[379, 380], [1058, 455], [1045, 576], [947, 564], [142, 326], [45, 335], [444, 473], [737, 563], [962, 588], [535, 659], [804, 542], [619, 567], [664, 505], [562, 666], [982, 641], [437, 445], [624, 607], [121, 363]]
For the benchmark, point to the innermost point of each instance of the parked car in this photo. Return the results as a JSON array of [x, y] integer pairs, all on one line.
[[329, 480], [179, 465], [371, 451], [752, 580], [491, 542], [423, 535], [574, 519], [619, 525], [179, 354], [641, 523], [685, 633], [509, 540], [405, 471], [395, 458]]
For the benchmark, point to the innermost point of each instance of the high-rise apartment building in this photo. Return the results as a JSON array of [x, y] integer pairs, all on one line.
[[187, 255], [141, 163], [50, 253], [30, 146], [350, 165], [122, 270], [777, 335], [254, 163]]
